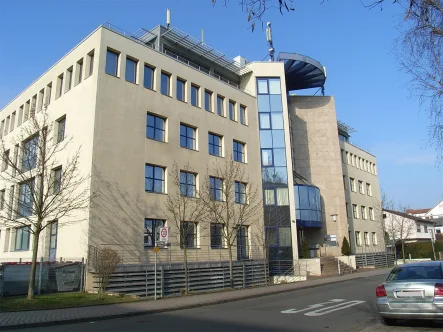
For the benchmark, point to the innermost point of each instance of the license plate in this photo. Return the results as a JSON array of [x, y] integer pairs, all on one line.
[[411, 293]]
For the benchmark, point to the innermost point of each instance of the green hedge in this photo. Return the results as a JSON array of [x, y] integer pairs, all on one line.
[[421, 249]]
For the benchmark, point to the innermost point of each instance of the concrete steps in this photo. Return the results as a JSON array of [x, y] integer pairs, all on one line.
[[329, 267]]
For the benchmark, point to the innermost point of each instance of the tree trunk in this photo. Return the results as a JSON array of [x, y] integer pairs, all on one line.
[[231, 274], [403, 250], [33, 265], [185, 260]]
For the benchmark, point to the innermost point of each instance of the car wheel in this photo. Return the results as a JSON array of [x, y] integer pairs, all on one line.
[[389, 321]]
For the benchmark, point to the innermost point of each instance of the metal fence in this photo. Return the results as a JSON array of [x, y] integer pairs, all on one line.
[[63, 275], [375, 259]]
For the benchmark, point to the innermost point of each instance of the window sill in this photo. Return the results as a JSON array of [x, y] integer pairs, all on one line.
[[183, 101], [153, 192], [166, 95], [151, 139], [216, 156], [150, 89], [111, 75], [184, 147], [135, 83]]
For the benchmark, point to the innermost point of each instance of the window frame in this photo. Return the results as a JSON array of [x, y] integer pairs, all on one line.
[[208, 102], [355, 211], [220, 106], [239, 153], [154, 128], [61, 129], [220, 147], [358, 238], [242, 113], [135, 62], [187, 138], [57, 183], [184, 85], [366, 239], [216, 231], [196, 88], [154, 235], [240, 194], [363, 212], [108, 71], [152, 80], [368, 189], [352, 183], [232, 110], [360, 187], [26, 198], [19, 231], [186, 184], [184, 242], [166, 75], [155, 180], [28, 147], [216, 188]]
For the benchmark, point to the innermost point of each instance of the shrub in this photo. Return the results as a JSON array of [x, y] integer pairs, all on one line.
[[305, 249], [345, 248]]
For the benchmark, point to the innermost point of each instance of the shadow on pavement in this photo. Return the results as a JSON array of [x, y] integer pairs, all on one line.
[[420, 324]]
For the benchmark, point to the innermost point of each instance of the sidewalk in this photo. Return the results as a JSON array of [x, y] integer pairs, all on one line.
[[16, 320]]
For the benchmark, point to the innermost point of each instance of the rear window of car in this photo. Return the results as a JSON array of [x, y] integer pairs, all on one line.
[[415, 273]]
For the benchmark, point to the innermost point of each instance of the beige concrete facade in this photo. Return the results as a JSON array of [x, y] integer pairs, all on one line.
[[362, 191], [317, 158], [106, 116]]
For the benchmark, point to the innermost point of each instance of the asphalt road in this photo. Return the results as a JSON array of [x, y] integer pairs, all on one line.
[[342, 307]]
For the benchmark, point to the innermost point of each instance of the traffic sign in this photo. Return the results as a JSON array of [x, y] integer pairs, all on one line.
[[164, 235], [156, 249]]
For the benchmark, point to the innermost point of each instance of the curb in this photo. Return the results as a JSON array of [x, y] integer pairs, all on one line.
[[186, 306]]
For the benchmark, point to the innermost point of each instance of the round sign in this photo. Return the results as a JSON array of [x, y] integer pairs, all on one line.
[[164, 232]]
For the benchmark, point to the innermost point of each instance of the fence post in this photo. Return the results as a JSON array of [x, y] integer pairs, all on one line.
[[146, 283], [162, 282], [366, 261], [386, 256], [40, 273], [338, 261], [82, 272], [244, 275], [155, 276]]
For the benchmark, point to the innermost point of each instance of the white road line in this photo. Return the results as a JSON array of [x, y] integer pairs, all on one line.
[[327, 310], [312, 306]]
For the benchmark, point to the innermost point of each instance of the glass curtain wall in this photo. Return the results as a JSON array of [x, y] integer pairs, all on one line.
[[274, 169]]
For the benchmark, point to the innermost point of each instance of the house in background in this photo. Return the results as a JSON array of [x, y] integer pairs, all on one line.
[[435, 213]]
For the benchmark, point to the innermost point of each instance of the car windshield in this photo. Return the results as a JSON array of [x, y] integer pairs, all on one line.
[[415, 272]]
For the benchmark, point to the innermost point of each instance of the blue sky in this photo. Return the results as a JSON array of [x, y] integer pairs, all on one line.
[[354, 43]]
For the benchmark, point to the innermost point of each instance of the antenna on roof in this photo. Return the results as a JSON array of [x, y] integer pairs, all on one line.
[[203, 36], [269, 40], [168, 18]]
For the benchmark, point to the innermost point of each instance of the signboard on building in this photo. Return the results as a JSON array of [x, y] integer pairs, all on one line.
[[331, 240]]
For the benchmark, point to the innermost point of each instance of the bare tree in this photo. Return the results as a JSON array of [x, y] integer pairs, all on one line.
[[37, 162], [104, 264], [184, 208], [256, 9], [400, 227], [232, 201]]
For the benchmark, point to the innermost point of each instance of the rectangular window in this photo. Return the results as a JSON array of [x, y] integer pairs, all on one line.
[[59, 89], [360, 187], [155, 128], [30, 151], [363, 212], [371, 213], [91, 63], [269, 197], [69, 79], [2, 199], [26, 113], [354, 211], [53, 235], [154, 179], [181, 89], [188, 137], [12, 121], [242, 114], [215, 145], [57, 180], [41, 100], [216, 188], [282, 195], [188, 182], [217, 236], [22, 236], [231, 110], [7, 237], [112, 63], [11, 200], [240, 192], [374, 239], [357, 239], [148, 79], [48, 95], [342, 154], [368, 189], [426, 229], [344, 182], [165, 84], [352, 181], [239, 151], [418, 229], [188, 234], [79, 71], [208, 100], [242, 243], [347, 210], [366, 237], [195, 92], [61, 125], [267, 157], [6, 129], [131, 70], [220, 106], [152, 231], [25, 200], [5, 161]]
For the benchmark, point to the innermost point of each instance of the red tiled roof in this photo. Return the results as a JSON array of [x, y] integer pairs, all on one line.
[[418, 211]]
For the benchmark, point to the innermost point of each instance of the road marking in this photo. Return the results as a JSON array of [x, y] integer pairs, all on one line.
[[327, 310], [312, 306]]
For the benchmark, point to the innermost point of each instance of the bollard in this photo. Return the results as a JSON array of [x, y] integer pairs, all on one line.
[[82, 275]]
